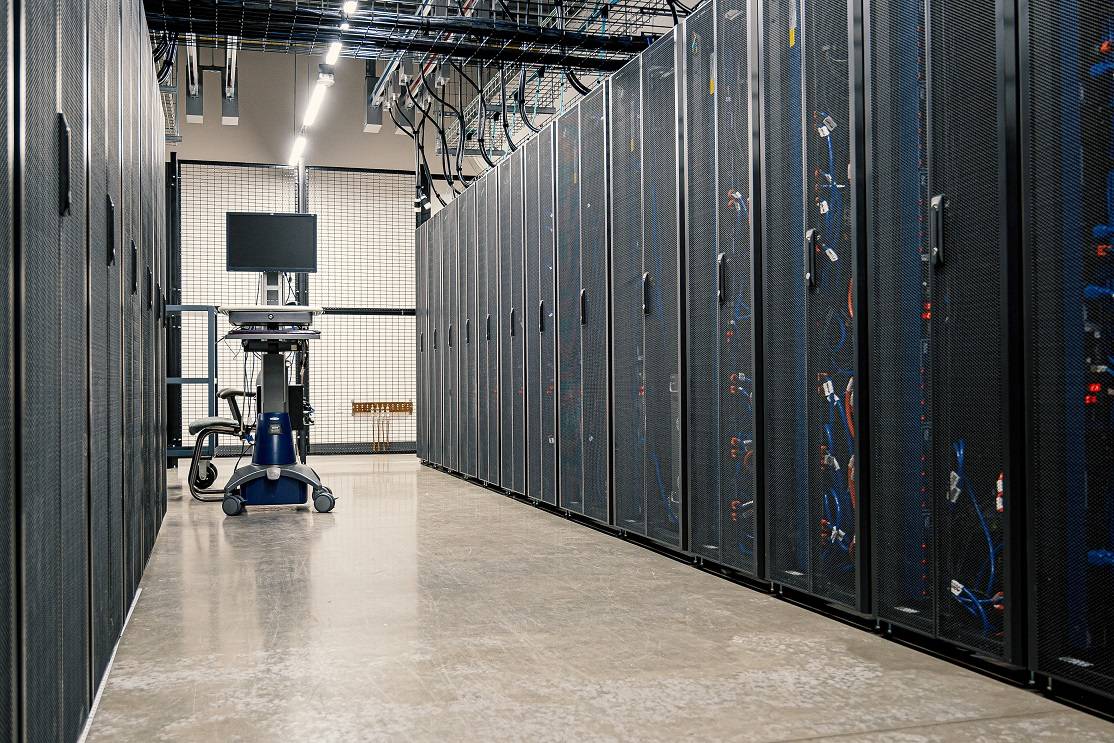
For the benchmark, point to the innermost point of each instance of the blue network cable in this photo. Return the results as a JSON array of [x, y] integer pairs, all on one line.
[[974, 603]]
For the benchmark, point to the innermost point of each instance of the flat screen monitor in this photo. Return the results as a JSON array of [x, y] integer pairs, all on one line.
[[261, 242]]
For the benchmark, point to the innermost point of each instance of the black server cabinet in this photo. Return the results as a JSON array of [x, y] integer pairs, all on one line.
[[1067, 162], [39, 286], [810, 234], [420, 315], [450, 297], [720, 318], [484, 337], [436, 345], [938, 252], [9, 637], [513, 357], [468, 334], [493, 337], [104, 335], [645, 270], [540, 314]]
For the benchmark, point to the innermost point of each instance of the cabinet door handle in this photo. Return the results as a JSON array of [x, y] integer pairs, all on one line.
[[435, 339], [646, 293], [450, 335], [421, 342], [810, 258], [487, 327], [541, 316], [512, 322], [721, 278], [583, 306], [65, 197], [468, 330], [110, 229], [936, 228]]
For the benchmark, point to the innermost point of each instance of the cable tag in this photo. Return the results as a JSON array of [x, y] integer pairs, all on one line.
[[830, 123], [999, 499], [824, 131], [832, 256], [953, 489], [957, 587], [828, 388], [823, 207], [732, 14]]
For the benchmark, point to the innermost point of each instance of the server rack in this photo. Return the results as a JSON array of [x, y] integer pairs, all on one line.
[[450, 283], [468, 296], [437, 336], [645, 269], [811, 229], [483, 334], [1066, 163], [9, 647], [540, 318], [939, 253], [420, 314], [513, 361], [493, 327], [722, 393]]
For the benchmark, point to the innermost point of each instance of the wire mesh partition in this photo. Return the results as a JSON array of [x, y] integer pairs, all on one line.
[[362, 373]]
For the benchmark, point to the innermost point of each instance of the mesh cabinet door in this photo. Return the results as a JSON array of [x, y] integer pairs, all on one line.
[[518, 351], [450, 247], [467, 226], [661, 389], [593, 324], [437, 340], [547, 304], [569, 312], [627, 346], [9, 651], [471, 328], [534, 309], [832, 338], [74, 391], [1067, 159], [506, 326], [39, 279], [481, 332], [494, 330], [420, 315], [790, 532], [940, 475]]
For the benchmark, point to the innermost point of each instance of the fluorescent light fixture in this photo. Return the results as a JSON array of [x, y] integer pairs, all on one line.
[[344, 26], [349, 7], [314, 106], [333, 54], [297, 149]]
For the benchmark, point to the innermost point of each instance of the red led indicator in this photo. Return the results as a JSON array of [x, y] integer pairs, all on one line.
[[1090, 399], [1102, 250], [1094, 387]]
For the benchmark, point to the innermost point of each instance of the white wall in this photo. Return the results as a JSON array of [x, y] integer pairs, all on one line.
[[274, 89]]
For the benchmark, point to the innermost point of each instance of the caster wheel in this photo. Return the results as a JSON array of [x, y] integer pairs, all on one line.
[[206, 475], [233, 505], [324, 501]]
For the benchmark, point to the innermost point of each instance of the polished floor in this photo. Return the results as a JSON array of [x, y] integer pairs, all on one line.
[[428, 609]]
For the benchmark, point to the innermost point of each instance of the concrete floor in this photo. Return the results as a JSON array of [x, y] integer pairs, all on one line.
[[424, 608]]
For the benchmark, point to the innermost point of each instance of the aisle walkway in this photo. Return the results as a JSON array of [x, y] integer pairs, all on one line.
[[424, 608]]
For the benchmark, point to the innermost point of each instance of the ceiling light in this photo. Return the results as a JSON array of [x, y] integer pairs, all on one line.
[[349, 7], [333, 54], [297, 149], [314, 106], [345, 26]]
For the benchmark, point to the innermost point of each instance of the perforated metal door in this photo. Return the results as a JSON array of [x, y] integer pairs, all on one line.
[[790, 532], [420, 314], [518, 350], [594, 327], [941, 477], [437, 341], [507, 310], [41, 476], [547, 280], [450, 242], [8, 513], [481, 332], [661, 390], [534, 310], [627, 346], [493, 321], [971, 427], [571, 430], [1067, 161], [702, 272], [466, 216]]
